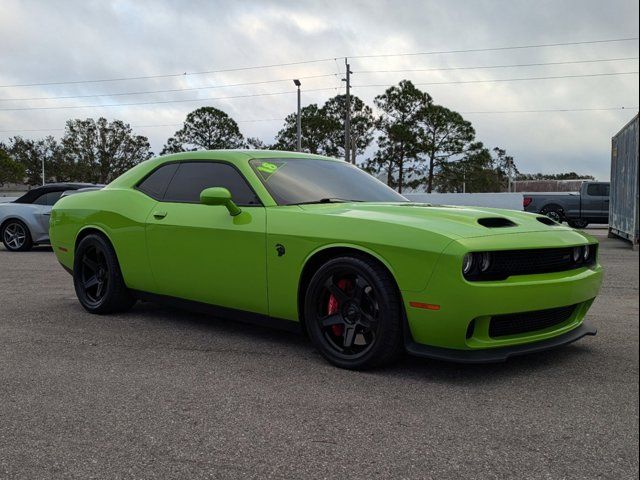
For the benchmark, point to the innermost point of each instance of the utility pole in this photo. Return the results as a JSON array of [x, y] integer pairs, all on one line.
[[347, 116], [43, 181], [297, 83]]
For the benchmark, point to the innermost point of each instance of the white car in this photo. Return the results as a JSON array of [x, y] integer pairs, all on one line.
[[24, 222]]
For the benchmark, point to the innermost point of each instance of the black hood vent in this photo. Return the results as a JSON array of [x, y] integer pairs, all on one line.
[[496, 222], [548, 221]]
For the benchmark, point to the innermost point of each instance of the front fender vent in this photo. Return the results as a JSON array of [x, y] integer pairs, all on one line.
[[496, 222]]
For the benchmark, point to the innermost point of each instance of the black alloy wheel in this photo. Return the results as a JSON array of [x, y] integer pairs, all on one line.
[[554, 212], [352, 313], [578, 223], [97, 278]]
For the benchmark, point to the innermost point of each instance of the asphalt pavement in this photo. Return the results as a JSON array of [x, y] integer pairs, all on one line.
[[160, 393]]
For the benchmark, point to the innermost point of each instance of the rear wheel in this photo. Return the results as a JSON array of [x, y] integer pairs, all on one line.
[[16, 236], [554, 212], [579, 223], [352, 313], [97, 278]]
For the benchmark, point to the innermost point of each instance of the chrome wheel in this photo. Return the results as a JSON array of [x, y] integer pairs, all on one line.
[[554, 215], [14, 236]]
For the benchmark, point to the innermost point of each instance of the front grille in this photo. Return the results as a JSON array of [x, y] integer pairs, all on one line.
[[506, 263], [515, 323]]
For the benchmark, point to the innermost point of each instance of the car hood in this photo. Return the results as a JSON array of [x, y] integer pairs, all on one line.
[[453, 221]]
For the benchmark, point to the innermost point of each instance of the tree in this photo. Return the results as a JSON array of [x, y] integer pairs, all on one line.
[[361, 126], [254, 143], [10, 170], [553, 176], [315, 130], [206, 128], [31, 153], [99, 151], [399, 141], [478, 171], [444, 135]]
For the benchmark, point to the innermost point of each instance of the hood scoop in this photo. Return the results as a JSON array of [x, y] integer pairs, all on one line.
[[548, 221], [496, 222]]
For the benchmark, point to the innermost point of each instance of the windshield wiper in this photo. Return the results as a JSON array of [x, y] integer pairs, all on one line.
[[326, 200]]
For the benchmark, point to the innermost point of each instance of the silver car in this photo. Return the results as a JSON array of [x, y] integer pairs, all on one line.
[[24, 222]]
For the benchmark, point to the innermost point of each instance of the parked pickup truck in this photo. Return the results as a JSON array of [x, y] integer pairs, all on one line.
[[578, 209]]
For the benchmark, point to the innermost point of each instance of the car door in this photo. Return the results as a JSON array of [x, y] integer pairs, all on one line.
[[202, 253], [595, 202], [42, 211]]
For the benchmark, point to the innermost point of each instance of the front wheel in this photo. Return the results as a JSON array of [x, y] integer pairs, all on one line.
[[352, 313], [97, 278]]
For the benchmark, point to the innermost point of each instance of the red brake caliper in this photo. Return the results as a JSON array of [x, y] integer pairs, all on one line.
[[333, 306]]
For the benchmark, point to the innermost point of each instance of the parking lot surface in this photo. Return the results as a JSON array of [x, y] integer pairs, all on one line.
[[160, 393]]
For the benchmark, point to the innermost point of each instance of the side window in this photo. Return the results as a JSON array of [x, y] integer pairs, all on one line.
[[156, 184], [48, 198], [41, 200], [53, 197], [598, 190], [193, 177]]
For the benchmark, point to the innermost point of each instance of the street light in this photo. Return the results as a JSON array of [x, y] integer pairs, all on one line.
[[297, 83]]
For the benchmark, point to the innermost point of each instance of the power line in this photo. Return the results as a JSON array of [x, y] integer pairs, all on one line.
[[513, 65], [508, 79], [253, 120], [169, 75], [305, 62], [205, 99], [550, 110], [144, 92], [494, 49]]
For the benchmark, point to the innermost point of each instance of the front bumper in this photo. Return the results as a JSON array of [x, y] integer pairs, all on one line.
[[495, 355], [457, 328]]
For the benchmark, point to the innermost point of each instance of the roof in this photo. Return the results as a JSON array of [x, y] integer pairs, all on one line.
[[241, 154], [34, 193]]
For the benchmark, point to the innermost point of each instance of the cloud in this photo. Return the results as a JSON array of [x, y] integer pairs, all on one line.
[[58, 41]]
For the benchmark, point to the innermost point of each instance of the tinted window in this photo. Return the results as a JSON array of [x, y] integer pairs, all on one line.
[[156, 184], [193, 177], [598, 190], [295, 181], [48, 198]]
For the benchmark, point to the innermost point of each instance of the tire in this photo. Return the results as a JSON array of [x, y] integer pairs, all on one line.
[[16, 236], [352, 313], [97, 278], [579, 223], [554, 212]]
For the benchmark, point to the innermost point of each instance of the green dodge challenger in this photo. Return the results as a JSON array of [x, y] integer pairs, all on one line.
[[297, 240]]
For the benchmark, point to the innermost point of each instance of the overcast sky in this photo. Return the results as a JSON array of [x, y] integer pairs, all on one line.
[[44, 41]]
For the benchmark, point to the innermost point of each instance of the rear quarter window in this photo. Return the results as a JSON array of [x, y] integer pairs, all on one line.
[[157, 182]]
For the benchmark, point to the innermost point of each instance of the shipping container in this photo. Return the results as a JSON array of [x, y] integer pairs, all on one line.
[[623, 206]]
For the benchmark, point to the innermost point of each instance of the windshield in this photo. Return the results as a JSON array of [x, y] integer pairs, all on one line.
[[298, 181]]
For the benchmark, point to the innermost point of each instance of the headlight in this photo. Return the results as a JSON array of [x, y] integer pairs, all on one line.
[[485, 261], [585, 253], [467, 263], [577, 254]]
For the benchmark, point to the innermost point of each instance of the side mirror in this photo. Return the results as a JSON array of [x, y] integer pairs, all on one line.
[[219, 196]]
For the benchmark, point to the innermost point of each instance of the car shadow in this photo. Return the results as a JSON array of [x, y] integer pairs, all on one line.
[[296, 344]]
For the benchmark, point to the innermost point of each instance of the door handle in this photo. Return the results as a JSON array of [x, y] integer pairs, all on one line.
[[159, 215]]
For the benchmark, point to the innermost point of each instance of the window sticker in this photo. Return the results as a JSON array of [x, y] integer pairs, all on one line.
[[265, 169]]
